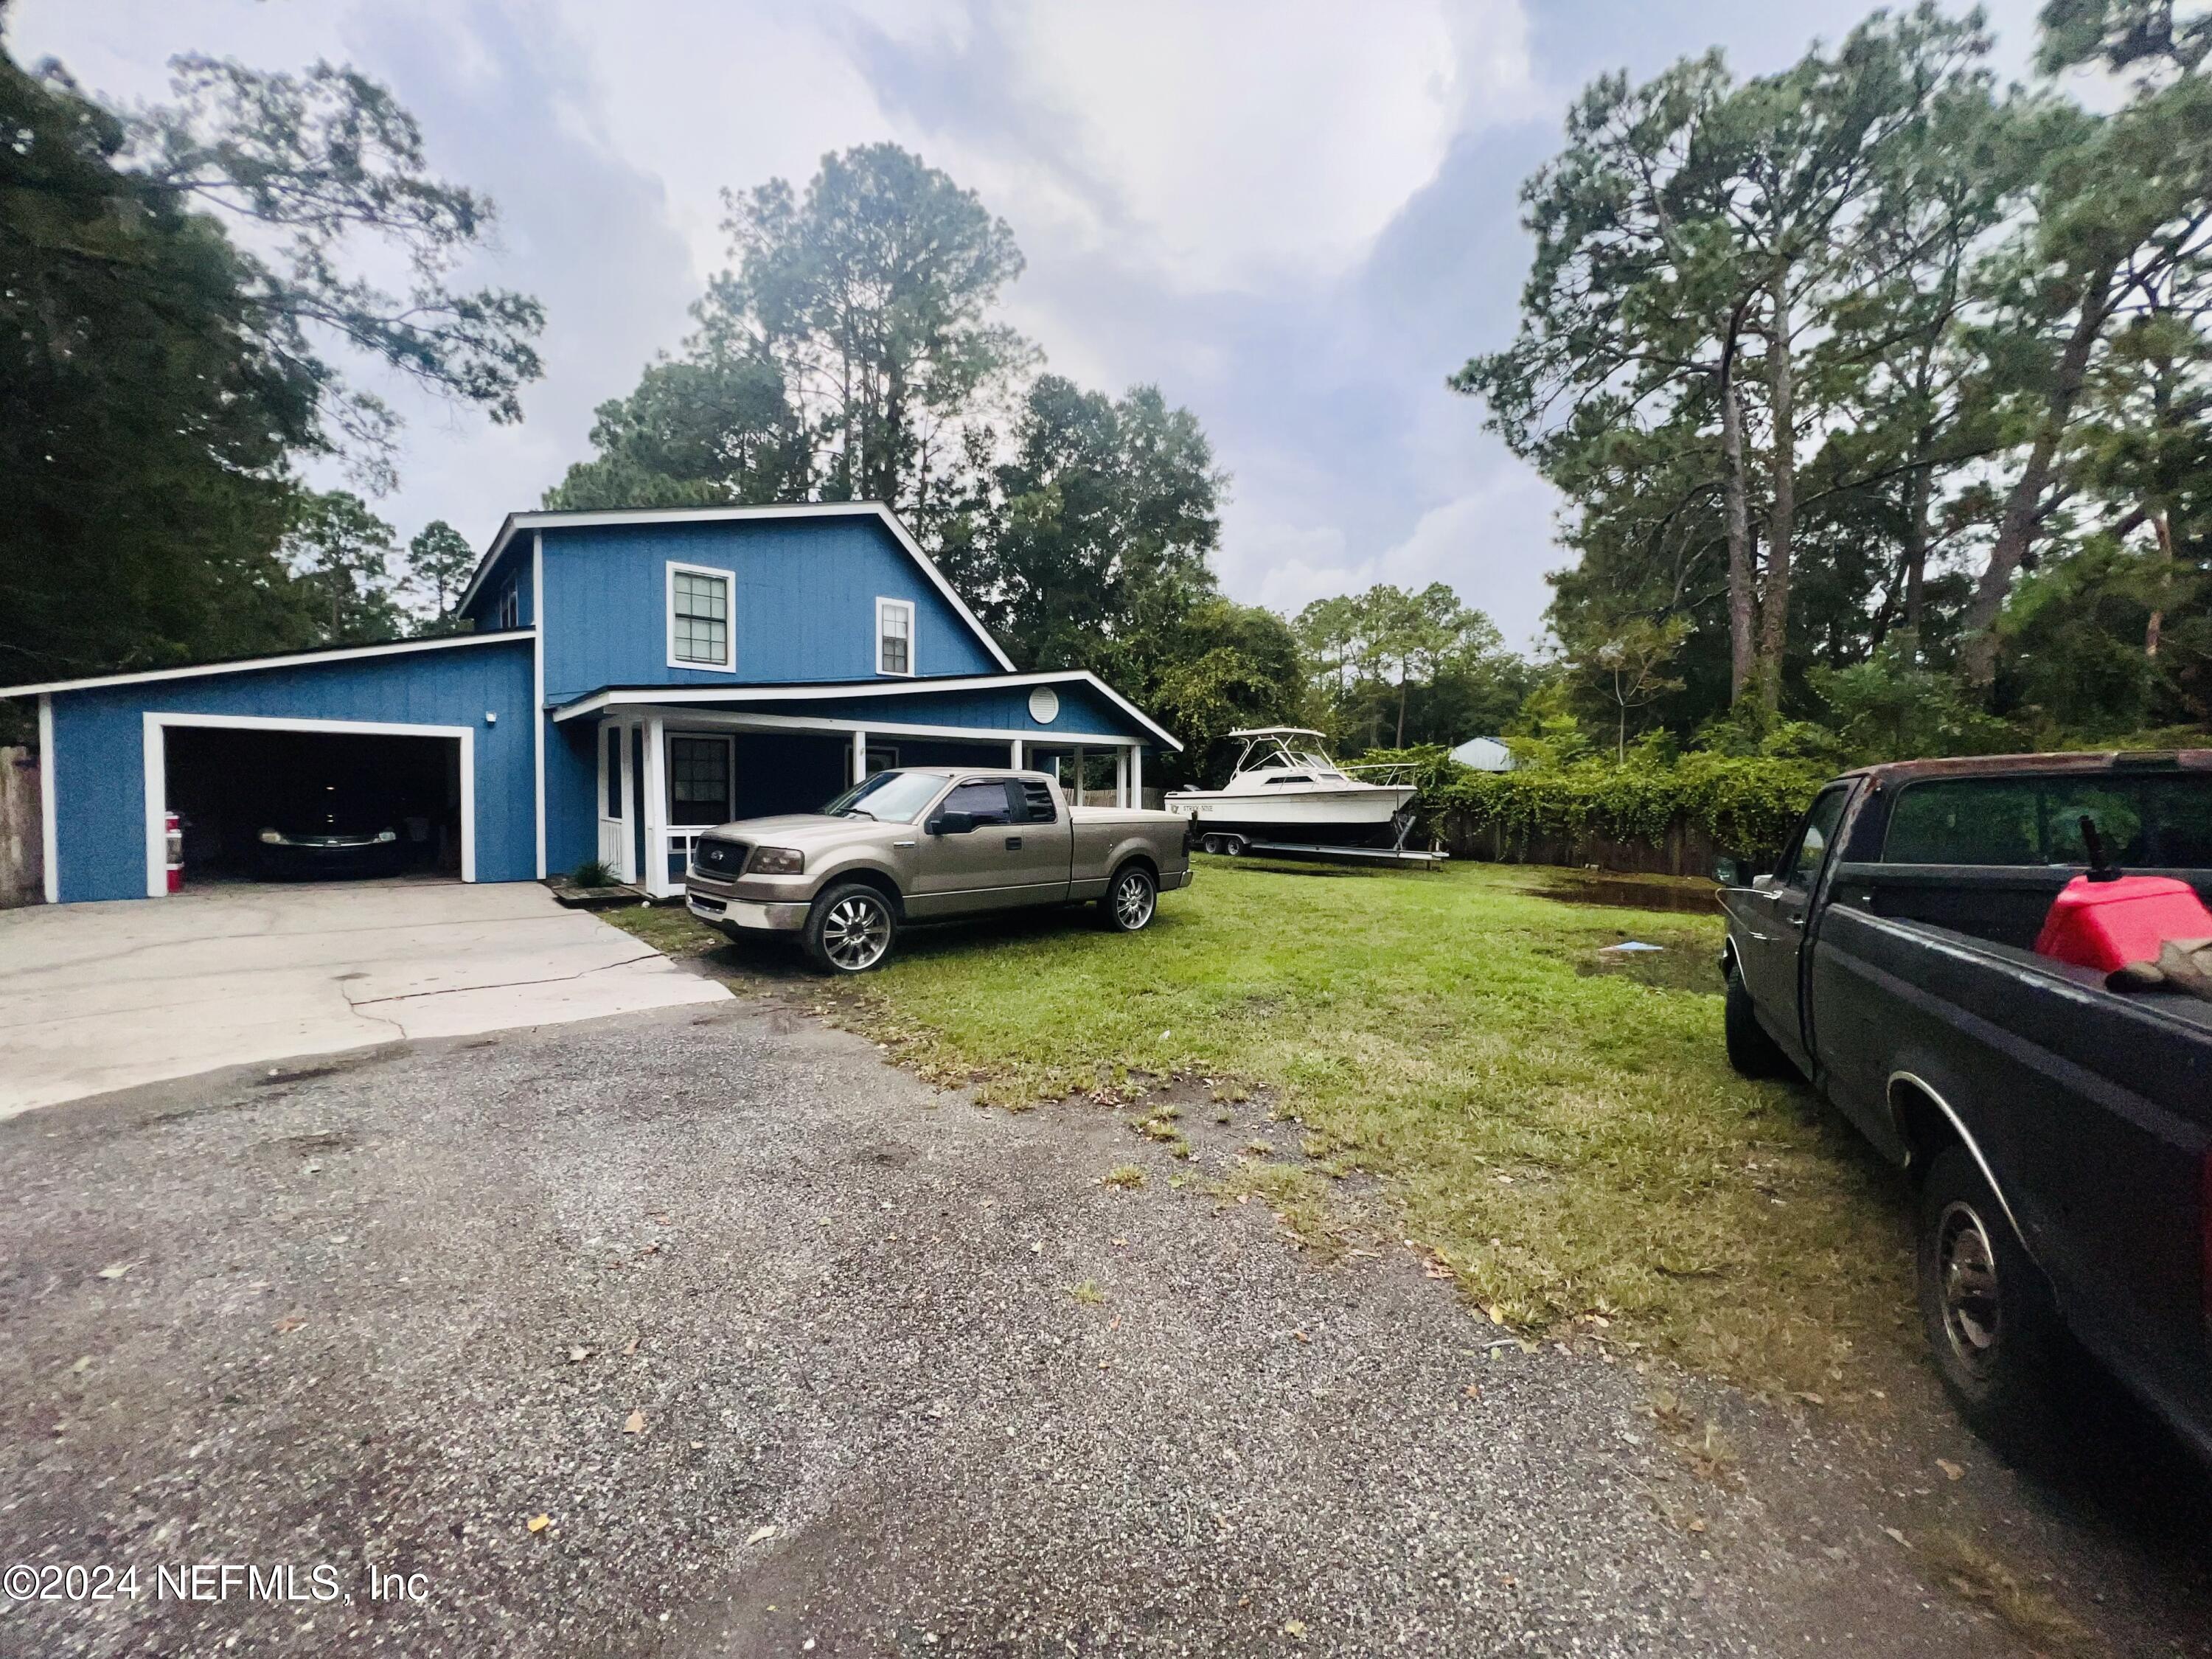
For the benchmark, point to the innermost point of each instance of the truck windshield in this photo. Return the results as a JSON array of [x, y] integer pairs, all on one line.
[[888, 797]]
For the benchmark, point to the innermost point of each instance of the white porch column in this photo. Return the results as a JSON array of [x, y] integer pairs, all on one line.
[[656, 881], [1120, 777], [627, 868], [1019, 764], [1137, 775], [860, 757]]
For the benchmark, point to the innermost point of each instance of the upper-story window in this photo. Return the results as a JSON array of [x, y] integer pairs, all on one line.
[[510, 603], [699, 634], [895, 636]]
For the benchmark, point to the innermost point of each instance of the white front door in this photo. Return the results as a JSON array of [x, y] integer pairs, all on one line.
[[616, 848]]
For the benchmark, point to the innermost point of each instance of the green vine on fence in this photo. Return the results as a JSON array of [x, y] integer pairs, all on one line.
[[1745, 803]]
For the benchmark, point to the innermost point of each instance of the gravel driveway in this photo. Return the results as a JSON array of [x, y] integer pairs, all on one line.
[[793, 1354]]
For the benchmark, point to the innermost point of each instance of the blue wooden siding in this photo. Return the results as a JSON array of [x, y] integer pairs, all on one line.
[[805, 603], [98, 767], [572, 795], [514, 564]]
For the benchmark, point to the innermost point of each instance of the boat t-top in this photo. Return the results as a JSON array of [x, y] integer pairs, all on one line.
[[1285, 790]]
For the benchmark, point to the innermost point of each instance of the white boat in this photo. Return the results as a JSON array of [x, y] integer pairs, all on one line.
[[1285, 789]]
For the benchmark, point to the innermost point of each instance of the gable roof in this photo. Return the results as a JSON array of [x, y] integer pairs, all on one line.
[[321, 653], [517, 522]]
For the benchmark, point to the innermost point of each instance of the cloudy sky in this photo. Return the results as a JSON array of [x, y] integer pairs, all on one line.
[[1295, 216]]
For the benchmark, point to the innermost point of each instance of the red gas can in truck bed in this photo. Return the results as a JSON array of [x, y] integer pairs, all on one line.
[[2106, 925]]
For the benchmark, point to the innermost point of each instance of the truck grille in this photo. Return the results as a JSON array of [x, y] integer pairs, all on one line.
[[715, 856]]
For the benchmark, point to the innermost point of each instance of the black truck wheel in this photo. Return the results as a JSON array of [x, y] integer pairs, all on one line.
[[1750, 1050], [1992, 1325], [851, 929]]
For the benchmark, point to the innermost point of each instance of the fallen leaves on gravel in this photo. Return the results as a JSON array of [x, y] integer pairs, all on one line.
[[761, 1535], [578, 1356], [1951, 1471], [288, 1322], [539, 1523], [633, 1424], [1295, 1628], [117, 1270]]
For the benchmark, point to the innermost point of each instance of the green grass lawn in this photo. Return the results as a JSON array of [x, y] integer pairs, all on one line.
[[1565, 1134]]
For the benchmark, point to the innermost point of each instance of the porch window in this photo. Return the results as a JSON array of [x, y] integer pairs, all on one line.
[[699, 619], [699, 779], [894, 637]]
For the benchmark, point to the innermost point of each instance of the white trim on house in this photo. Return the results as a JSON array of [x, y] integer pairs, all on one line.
[[728, 663], [913, 667], [537, 686], [696, 719], [246, 664], [551, 520], [155, 729], [49, 817], [822, 691]]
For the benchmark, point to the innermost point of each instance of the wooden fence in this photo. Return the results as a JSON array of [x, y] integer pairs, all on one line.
[[1684, 850], [22, 840]]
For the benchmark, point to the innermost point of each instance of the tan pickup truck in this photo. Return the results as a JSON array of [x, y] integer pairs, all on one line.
[[928, 844]]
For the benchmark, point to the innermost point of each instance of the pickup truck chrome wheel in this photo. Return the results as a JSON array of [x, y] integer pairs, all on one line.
[[1128, 906], [856, 932], [1972, 1302], [852, 929]]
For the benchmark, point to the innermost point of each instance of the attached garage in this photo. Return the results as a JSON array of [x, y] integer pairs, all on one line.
[[297, 766]]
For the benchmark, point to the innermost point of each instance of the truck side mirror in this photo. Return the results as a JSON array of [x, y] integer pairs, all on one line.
[[1727, 872], [951, 824]]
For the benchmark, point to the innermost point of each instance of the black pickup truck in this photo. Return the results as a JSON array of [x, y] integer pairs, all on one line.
[[2059, 1133]]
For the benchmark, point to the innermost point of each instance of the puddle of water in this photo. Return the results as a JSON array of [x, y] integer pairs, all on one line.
[[1684, 894]]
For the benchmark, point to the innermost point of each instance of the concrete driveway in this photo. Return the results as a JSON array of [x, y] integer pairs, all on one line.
[[96, 997]]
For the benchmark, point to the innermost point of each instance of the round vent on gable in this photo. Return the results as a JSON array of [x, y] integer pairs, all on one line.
[[1044, 705]]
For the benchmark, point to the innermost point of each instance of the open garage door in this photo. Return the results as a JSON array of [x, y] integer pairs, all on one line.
[[272, 804]]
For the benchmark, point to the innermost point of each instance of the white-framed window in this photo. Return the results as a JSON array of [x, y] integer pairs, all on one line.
[[702, 767], [701, 632], [883, 757], [895, 636], [510, 603]]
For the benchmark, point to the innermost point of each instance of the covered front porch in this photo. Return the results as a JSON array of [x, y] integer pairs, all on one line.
[[662, 772]]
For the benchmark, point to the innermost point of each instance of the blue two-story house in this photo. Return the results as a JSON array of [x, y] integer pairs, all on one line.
[[629, 678]]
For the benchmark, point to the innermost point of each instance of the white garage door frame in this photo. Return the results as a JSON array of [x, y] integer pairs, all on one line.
[[157, 774]]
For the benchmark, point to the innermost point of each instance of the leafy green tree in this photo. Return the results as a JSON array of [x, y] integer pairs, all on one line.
[[1225, 667], [871, 295], [439, 563], [1421, 668], [162, 381], [2120, 240], [327, 157], [1098, 532], [341, 556], [1627, 668], [695, 433]]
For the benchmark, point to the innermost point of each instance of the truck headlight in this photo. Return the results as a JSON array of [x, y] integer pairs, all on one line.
[[775, 861], [272, 838]]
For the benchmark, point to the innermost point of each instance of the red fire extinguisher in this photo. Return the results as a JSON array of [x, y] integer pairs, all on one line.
[[174, 834]]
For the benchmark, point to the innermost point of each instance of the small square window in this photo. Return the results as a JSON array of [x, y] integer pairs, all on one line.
[[699, 619], [894, 637]]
